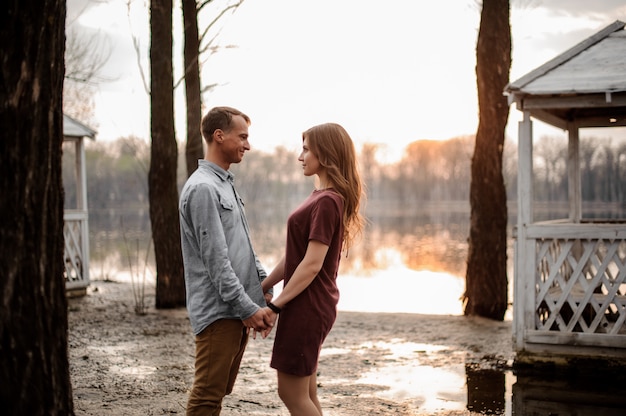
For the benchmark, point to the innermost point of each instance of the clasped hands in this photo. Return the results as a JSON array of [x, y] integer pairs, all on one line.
[[262, 321]]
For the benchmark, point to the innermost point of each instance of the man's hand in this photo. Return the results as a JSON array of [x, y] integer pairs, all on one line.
[[257, 322]]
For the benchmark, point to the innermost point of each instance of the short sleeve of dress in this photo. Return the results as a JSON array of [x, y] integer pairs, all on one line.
[[325, 220]]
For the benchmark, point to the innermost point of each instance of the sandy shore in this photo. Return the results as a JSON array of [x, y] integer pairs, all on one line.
[[372, 364]]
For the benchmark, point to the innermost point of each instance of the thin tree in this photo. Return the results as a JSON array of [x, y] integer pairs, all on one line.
[[34, 364], [162, 186], [196, 45], [486, 277], [193, 148], [86, 53]]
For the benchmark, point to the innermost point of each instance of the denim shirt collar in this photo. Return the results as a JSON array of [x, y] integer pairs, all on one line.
[[225, 175]]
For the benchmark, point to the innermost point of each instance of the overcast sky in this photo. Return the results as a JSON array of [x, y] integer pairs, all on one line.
[[391, 72]]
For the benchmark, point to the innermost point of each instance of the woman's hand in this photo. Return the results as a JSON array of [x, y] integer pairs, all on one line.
[[270, 322]]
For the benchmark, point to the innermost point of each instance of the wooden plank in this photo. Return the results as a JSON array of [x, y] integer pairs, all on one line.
[[574, 101], [577, 340], [75, 215], [607, 121], [577, 231], [549, 118], [560, 354]]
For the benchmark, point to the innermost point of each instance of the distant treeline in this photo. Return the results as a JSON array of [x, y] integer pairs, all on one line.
[[429, 171]]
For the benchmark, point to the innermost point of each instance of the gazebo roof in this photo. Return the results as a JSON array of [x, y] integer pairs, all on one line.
[[586, 84], [75, 129]]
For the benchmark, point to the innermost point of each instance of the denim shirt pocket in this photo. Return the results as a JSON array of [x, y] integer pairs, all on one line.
[[229, 214], [227, 204]]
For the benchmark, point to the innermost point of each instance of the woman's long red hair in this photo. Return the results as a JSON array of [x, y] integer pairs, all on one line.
[[335, 150]]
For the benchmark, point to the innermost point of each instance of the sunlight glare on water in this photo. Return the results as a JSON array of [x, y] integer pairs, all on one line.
[[405, 380], [399, 289], [429, 389], [423, 386]]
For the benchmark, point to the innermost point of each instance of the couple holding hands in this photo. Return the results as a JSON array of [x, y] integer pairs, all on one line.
[[229, 292]]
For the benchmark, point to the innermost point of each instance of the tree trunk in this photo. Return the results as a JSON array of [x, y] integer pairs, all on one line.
[[163, 191], [34, 365], [486, 278], [193, 148]]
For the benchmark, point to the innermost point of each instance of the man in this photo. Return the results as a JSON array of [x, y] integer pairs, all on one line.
[[222, 272]]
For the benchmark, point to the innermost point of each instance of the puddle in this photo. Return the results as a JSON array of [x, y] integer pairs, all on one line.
[[598, 394], [398, 349], [437, 389], [459, 387], [425, 388], [489, 392]]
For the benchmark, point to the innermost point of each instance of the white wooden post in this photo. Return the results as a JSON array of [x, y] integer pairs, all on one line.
[[523, 304], [573, 174], [81, 197]]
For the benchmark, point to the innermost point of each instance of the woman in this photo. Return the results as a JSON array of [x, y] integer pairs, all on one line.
[[324, 225]]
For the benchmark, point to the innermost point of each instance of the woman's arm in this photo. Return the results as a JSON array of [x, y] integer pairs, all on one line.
[[275, 276], [304, 274]]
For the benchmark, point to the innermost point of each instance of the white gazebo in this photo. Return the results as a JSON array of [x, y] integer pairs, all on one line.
[[570, 274], [76, 219]]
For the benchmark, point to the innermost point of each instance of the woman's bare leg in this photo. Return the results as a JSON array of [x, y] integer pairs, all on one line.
[[295, 392], [313, 392]]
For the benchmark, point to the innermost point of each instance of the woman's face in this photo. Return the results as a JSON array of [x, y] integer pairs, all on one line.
[[310, 162]]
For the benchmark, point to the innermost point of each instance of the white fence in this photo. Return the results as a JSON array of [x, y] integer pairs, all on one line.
[[578, 293], [76, 236]]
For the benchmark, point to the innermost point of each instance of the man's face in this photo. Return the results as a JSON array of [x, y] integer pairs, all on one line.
[[234, 143]]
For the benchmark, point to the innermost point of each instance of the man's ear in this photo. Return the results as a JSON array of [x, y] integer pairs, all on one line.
[[218, 135]]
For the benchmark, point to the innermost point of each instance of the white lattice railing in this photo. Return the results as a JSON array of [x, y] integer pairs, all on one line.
[[76, 250], [581, 286]]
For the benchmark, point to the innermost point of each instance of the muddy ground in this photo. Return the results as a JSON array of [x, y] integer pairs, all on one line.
[[123, 363]]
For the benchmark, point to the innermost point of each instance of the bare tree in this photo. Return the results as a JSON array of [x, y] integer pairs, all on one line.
[[86, 53], [196, 45], [163, 190], [588, 150], [486, 278], [551, 163], [34, 365], [193, 149], [608, 174]]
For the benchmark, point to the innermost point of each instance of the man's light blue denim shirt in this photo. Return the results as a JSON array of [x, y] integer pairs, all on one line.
[[222, 272]]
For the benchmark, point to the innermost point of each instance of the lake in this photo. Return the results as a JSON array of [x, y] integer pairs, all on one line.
[[412, 263]]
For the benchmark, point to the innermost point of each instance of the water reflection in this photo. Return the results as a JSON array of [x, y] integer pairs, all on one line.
[[599, 394], [435, 242], [453, 388], [486, 391], [406, 378], [424, 388], [412, 263], [439, 390]]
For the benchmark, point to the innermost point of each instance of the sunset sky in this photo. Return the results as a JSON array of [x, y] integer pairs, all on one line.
[[390, 72]]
